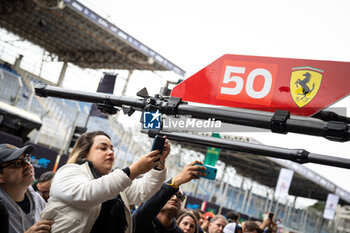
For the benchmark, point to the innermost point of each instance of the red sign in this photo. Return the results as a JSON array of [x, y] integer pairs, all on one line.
[[302, 87]]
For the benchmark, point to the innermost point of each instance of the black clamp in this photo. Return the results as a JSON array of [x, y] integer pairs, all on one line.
[[301, 156], [171, 106], [106, 107], [150, 104], [337, 131], [278, 121]]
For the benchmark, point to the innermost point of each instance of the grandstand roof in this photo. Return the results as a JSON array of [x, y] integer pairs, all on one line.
[[78, 35], [265, 170]]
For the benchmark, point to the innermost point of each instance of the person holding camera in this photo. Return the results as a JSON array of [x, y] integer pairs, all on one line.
[[268, 225], [87, 196], [157, 215]]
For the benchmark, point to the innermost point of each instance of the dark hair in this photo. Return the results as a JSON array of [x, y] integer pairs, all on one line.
[[232, 216], [182, 216], [196, 214], [83, 144], [251, 226], [46, 176]]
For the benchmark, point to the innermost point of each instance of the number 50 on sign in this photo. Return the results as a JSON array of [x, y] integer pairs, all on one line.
[[247, 82]]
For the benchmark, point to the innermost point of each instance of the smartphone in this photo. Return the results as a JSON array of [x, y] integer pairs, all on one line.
[[270, 216], [210, 172], [158, 144]]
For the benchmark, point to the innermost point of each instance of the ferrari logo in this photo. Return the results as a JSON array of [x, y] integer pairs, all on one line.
[[304, 84]]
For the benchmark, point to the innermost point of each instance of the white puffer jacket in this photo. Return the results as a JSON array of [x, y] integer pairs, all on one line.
[[76, 197]]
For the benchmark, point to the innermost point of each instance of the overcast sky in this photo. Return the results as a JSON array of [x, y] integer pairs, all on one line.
[[193, 33]]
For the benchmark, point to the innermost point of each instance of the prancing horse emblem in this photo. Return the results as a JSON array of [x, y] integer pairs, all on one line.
[[304, 84]]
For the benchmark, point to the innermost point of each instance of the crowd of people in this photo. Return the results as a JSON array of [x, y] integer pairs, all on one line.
[[88, 195]]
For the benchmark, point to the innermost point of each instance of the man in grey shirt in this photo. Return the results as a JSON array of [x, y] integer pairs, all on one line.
[[23, 204]]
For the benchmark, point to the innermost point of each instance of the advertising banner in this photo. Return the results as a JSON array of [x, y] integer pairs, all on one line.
[[331, 205], [283, 183]]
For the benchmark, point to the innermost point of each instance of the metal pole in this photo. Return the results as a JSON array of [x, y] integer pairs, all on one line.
[[276, 208], [239, 194], [221, 183], [321, 224], [70, 133], [295, 155], [196, 188], [18, 62], [249, 199], [223, 202], [133, 146], [119, 149], [333, 130], [266, 202], [305, 218], [130, 144], [244, 200], [317, 228], [300, 219], [271, 203], [287, 221], [212, 190], [31, 96], [116, 152], [20, 86], [286, 209], [62, 74], [127, 82], [42, 63], [124, 90]]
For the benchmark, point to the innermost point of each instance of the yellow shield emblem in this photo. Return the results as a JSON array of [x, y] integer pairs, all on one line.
[[304, 84]]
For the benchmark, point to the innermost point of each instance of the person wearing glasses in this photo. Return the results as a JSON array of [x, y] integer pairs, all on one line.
[[157, 215], [87, 195], [43, 184], [22, 203]]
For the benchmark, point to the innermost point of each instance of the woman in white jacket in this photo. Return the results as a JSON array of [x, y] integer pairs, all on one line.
[[87, 196]]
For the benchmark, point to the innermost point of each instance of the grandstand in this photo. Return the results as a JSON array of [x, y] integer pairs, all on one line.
[[50, 122]]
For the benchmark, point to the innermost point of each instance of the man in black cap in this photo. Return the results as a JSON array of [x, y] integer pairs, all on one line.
[[23, 204]]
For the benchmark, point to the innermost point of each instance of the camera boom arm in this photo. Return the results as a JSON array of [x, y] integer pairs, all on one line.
[[280, 122], [296, 155]]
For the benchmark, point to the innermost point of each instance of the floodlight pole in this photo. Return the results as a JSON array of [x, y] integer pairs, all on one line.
[[296, 155]]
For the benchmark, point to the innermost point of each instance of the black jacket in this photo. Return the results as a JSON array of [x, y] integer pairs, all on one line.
[[145, 217]]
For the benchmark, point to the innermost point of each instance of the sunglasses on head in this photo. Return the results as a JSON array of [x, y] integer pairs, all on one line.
[[180, 196], [18, 163]]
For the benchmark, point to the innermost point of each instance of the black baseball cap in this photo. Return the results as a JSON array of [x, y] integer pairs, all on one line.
[[9, 152]]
